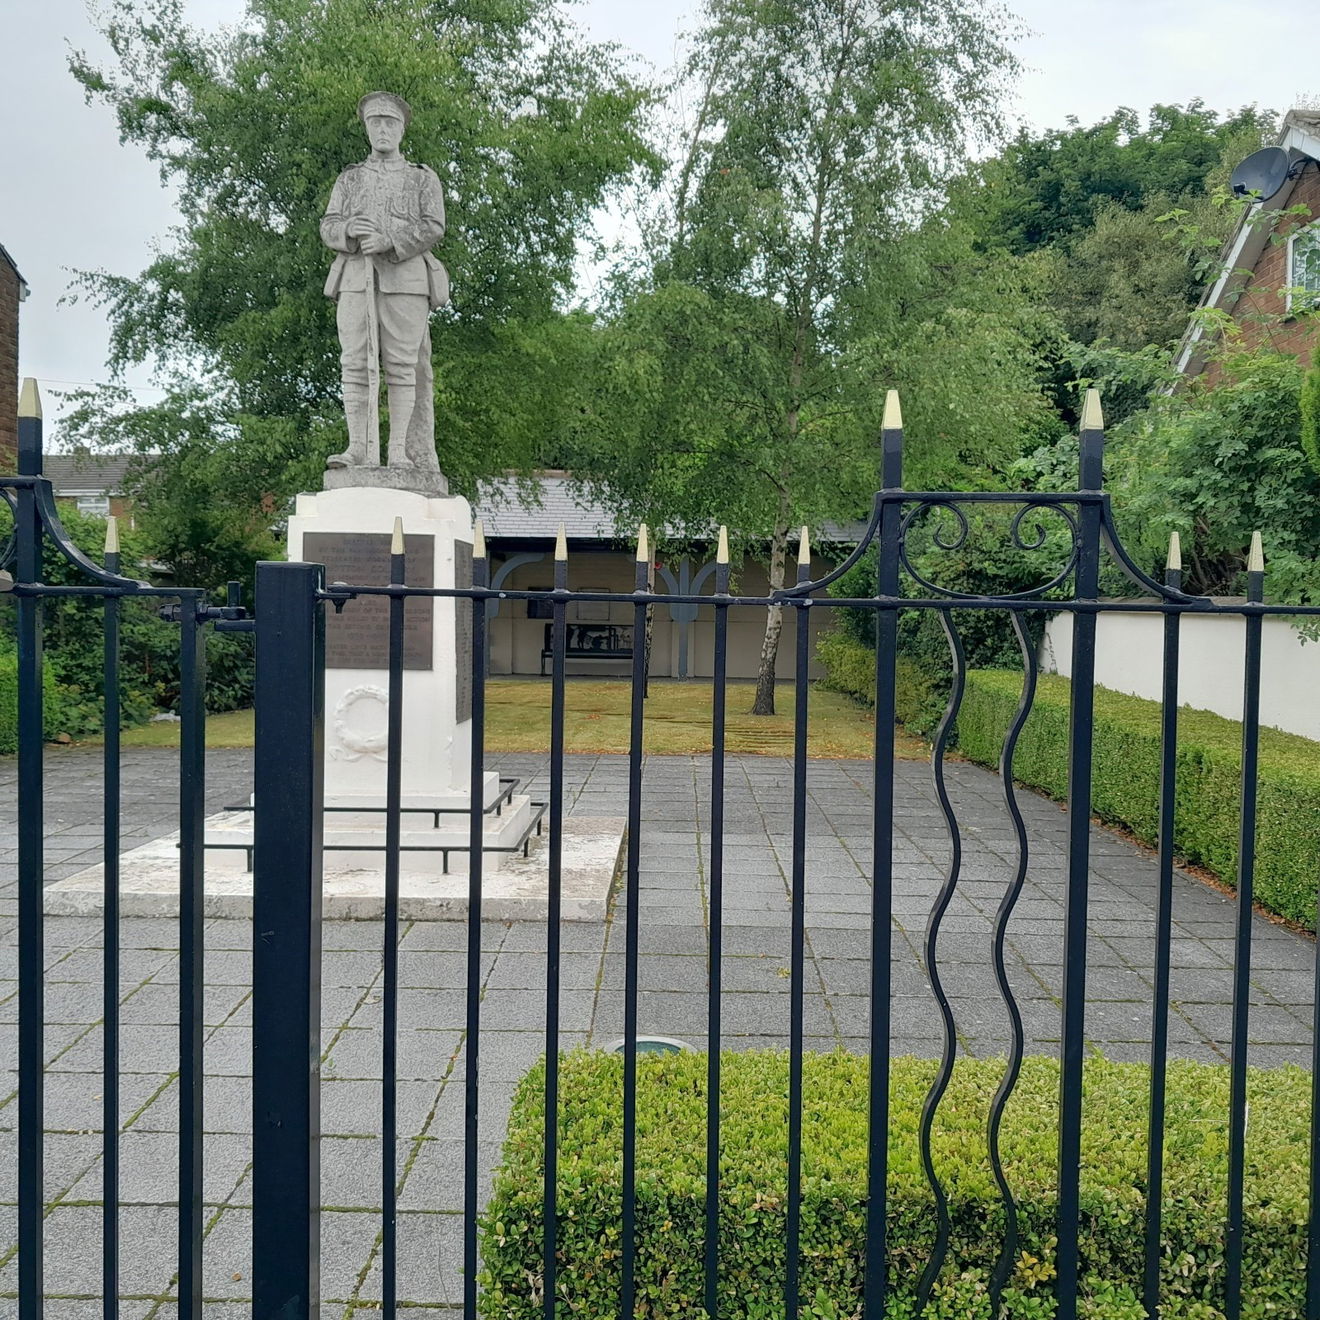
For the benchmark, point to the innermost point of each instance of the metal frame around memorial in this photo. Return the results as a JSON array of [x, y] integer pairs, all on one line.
[[292, 599]]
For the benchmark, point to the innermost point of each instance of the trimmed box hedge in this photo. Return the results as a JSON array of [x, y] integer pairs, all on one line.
[[1126, 771], [671, 1127]]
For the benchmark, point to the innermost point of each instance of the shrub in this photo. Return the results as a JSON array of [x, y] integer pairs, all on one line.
[[149, 647], [850, 668], [59, 709], [1310, 402], [1126, 768], [671, 1127], [987, 561]]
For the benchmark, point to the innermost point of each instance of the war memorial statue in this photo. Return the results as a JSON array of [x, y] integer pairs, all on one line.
[[384, 217]]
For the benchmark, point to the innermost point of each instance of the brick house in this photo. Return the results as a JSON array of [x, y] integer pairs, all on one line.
[[13, 290], [95, 483], [1268, 267]]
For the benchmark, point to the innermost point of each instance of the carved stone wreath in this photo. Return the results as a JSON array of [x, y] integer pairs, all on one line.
[[355, 742]]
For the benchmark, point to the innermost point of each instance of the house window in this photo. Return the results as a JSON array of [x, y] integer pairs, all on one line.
[[97, 505], [1304, 268]]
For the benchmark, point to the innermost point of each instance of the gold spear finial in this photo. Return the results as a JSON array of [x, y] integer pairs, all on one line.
[[1093, 413], [1174, 564], [561, 545], [396, 542], [29, 401], [112, 535], [893, 419], [478, 540], [1256, 559], [722, 550]]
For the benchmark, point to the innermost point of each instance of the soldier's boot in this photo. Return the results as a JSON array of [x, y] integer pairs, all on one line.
[[403, 399], [357, 404]]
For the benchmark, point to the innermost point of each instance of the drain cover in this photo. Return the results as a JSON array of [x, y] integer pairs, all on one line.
[[651, 1045]]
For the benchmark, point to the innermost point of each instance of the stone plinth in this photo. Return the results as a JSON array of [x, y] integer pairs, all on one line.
[[348, 530]]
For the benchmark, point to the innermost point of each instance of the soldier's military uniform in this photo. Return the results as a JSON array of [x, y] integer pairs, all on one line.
[[405, 203]]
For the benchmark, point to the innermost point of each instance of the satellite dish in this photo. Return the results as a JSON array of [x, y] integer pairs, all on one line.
[[1263, 172]]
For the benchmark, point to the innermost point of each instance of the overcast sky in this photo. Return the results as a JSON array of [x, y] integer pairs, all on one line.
[[71, 197]]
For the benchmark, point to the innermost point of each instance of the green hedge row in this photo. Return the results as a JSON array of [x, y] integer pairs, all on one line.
[[1126, 770], [850, 668], [57, 713], [671, 1127]]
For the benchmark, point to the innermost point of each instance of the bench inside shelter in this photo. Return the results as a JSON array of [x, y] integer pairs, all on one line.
[[590, 641]]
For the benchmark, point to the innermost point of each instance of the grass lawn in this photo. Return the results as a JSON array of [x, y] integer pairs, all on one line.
[[597, 720]]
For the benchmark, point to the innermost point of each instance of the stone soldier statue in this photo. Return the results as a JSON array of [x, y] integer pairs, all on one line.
[[384, 217]]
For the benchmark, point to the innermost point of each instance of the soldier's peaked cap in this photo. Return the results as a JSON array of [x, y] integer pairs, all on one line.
[[384, 103]]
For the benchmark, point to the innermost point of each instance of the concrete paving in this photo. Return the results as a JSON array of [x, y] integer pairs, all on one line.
[[675, 909]]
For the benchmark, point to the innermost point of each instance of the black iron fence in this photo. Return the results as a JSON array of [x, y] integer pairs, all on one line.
[[289, 821]]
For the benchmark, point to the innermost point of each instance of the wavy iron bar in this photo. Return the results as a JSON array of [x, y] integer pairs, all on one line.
[[942, 901], [1008, 1253]]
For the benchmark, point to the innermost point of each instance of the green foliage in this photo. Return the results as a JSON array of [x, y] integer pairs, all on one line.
[[671, 1133], [990, 560], [786, 276], [1049, 188], [849, 665], [60, 713], [1123, 222], [73, 642], [529, 127], [1126, 772], [1310, 404], [1216, 462]]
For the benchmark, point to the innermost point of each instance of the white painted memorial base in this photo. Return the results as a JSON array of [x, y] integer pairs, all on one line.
[[349, 530]]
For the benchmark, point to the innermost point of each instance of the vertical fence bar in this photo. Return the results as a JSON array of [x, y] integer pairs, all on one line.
[[1081, 732], [890, 512], [389, 1247], [110, 939], [719, 702], [550, 1203], [632, 931], [192, 978], [31, 867], [288, 821], [1159, 1032], [798, 935], [476, 872], [1237, 1129]]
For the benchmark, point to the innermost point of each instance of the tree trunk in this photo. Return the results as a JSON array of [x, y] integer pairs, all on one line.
[[650, 630], [774, 625]]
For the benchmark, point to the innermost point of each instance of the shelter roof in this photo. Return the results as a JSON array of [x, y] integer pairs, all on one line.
[[533, 508]]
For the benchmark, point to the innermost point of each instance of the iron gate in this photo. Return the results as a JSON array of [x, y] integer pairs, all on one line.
[[291, 602]]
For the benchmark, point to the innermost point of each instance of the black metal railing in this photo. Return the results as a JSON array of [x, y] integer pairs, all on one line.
[[288, 845], [37, 529]]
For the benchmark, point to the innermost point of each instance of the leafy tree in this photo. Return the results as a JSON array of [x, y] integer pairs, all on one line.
[[529, 127], [742, 371], [1215, 463], [1311, 412], [1047, 189]]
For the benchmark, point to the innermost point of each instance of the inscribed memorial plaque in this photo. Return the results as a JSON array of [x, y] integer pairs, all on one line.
[[463, 634], [359, 638]]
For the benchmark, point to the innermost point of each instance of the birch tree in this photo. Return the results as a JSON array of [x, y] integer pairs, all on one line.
[[742, 373]]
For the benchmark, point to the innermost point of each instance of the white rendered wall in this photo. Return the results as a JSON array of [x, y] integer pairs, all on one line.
[[436, 749], [1130, 658]]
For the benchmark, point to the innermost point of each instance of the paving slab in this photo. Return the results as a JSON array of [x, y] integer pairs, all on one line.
[[676, 907]]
